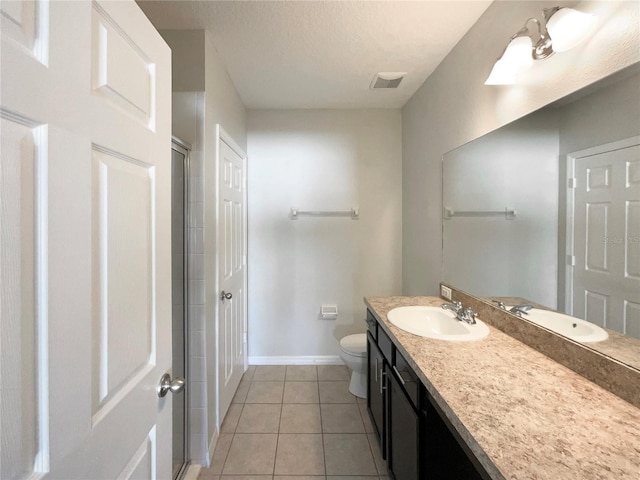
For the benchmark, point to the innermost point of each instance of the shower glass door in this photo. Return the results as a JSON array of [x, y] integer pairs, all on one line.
[[179, 247]]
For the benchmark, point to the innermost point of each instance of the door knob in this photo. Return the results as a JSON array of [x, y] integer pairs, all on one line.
[[167, 385], [225, 296]]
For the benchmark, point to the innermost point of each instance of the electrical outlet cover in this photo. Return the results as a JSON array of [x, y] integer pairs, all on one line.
[[445, 292]]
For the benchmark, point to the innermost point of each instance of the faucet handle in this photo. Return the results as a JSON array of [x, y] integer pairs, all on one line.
[[500, 304], [520, 309], [468, 316]]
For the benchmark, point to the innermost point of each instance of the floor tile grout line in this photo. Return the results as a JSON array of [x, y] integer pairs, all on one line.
[[324, 453], [232, 439], [226, 455], [373, 455], [275, 455]]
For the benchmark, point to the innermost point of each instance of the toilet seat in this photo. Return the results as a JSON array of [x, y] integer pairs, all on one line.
[[355, 345]]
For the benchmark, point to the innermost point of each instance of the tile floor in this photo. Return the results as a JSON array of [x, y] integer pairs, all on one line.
[[296, 423]]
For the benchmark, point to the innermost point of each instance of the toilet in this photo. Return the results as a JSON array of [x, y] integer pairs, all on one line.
[[353, 351]]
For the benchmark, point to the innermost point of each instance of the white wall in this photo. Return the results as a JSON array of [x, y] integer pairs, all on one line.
[[320, 160], [454, 106]]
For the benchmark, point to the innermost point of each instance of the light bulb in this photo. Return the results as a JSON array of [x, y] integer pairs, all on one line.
[[518, 53], [515, 59], [503, 73], [568, 28]]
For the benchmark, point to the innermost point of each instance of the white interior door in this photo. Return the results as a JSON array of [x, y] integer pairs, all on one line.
[[85, 242], [231, 269], [606, 237]]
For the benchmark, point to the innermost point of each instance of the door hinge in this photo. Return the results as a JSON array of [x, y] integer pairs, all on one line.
[[571, 260], [244, 259], [244, 338], [572, 182]]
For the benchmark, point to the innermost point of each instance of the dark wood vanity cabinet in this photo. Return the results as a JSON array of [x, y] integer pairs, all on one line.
[[375, 390], [404, 434], [416, 439], [444, 452], [394, 415]]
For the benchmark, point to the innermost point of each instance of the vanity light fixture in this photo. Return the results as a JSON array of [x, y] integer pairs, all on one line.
[[560, 30]]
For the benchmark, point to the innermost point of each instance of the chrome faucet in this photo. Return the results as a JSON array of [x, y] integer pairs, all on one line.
[[464, 315], [455, 307], [468, 316], [520, 309]]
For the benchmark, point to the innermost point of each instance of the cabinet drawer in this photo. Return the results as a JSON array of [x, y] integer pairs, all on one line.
[[408, 379], [372, 325], [375, 390], [404, 434], [385, 345]]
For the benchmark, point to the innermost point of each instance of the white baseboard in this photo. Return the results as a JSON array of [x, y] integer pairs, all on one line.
[[301, 360]]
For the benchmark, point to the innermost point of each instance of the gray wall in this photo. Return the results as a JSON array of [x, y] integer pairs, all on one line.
[[454, 106], [187, 59], [516, 167], [608, 115], [320, 160]]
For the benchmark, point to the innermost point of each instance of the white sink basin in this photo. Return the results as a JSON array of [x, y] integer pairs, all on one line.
[[434, 322], [566, 325]]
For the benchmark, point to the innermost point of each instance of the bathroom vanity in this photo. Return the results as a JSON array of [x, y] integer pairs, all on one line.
[[414, 435], [493, 408]]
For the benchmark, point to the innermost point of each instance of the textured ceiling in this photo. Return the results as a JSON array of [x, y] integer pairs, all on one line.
[[323, 54]]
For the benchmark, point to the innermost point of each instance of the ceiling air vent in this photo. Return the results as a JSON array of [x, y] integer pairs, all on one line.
[[387, 80]]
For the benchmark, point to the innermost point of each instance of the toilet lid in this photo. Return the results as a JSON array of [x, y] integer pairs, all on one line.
[[355, 344]]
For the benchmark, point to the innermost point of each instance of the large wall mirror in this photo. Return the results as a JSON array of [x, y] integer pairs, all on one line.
[[545, 212]]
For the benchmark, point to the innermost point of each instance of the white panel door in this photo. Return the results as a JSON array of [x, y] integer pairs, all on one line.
[[85, 242], [606, 276], [231, 269]]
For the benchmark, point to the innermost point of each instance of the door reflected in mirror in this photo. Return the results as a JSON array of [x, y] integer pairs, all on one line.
[[546, 211]]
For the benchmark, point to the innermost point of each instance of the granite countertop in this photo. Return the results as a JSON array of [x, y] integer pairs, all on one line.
[[522, 414]]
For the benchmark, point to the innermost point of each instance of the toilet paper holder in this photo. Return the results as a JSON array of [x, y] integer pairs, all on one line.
[[329, 312]]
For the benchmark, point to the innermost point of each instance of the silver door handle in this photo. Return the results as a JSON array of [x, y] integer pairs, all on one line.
[[167, 385], [225, 296], [399, 375], [383, 387]]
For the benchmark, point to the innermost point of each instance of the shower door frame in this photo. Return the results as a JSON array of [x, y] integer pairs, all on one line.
[[185, 149]]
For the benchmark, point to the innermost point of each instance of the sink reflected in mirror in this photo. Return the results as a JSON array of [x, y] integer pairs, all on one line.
[[566, 325], [434, 322]]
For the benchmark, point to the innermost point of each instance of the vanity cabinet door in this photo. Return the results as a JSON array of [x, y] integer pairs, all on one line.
[[404, 434], [376, 389], [443, 453]]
